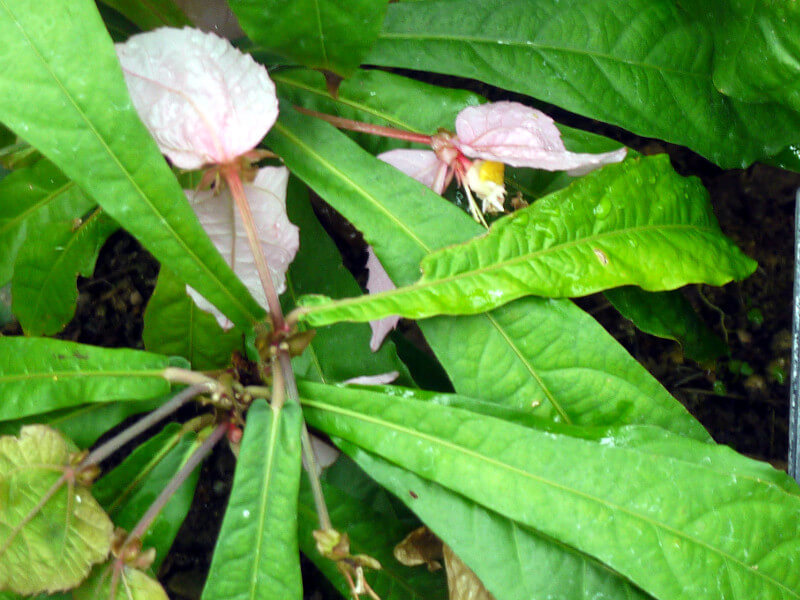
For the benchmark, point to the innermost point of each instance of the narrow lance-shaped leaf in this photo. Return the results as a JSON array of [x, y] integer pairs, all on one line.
[[128, 491], [318, 267], [316, 33], [256, 554], [44, 287], [38, 375], [648, 68], [668, 315], [521, 563], [29, 198], [732, 535], [74, 107], [593, 235], [555, 358], [84, 424], [51, 529]]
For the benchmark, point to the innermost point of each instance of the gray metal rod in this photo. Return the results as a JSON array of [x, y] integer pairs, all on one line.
[[794, 390]]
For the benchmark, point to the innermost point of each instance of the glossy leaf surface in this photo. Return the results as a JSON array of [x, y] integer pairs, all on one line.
[[84, 424], [756, 49], [595, 234], [29, 198], [668, 315], [521, 563], [374, 529], [130, 488], [48, 541], [44, 287], [257, 554], [643, 65], [149, 14], [319, 266], [732, 534], [38, 375], [132, 584], [544, 346], [315, 33], [73, 106], [174, 325]]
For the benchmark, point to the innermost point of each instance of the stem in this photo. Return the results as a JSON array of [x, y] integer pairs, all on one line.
[[390, 132], [231, 175], [184, 376], [285, 372], [112, 445], [309, 459], [174, 483]]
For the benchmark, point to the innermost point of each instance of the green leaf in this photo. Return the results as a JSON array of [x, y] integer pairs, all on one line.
[[317, 33], [530, 352], [129, 489], [512, 561], [756, 49], [30, 198], [379, 98], [371, 532], [174, 325], [149, 14], [668, 315], [132, 584], [38, 375], [317, 267], [51, 531], [642, 65], [44, 288], [674, 527], [257, 554], [594, 235], [84, 424], [73, 105]]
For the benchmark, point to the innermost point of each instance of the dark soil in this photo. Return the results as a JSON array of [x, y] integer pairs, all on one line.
[[741, 399]]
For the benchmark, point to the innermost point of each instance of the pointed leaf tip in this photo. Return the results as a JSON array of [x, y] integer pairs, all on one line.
[[202, 100]]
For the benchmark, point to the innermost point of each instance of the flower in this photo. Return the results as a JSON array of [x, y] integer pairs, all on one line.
[[498, 134], [279, 238], [203, 101], [378, 281]]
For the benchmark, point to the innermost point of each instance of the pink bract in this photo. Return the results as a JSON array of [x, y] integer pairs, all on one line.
[[203, 101], [278, 236], [378, 281], [422, 165], [520, 136]]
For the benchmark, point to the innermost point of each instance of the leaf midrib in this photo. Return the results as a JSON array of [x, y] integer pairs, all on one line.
[[426, 249], [55, 375], [422, 284], [595, 55], [497, 464], [196, 259], [19, 218]]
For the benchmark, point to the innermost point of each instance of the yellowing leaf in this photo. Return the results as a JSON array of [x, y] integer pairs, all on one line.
[[131, 584], [51, 530]]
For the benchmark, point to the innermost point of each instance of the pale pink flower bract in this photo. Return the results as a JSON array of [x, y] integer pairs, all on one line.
[[203, 101], [222, 222]]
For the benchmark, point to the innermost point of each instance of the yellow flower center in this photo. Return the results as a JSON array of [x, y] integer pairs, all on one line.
[[492, 171]]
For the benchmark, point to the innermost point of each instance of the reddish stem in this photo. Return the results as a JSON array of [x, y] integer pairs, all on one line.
[[231, 175], [391, 132]]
